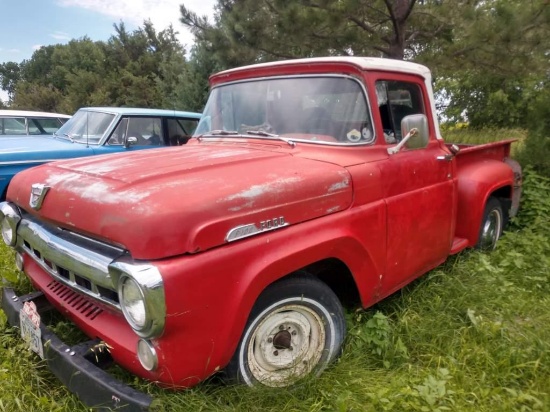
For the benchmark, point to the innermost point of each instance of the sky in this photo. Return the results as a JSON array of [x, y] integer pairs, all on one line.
[[29, 24]]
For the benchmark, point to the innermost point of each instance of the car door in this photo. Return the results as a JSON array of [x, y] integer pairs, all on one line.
[[417, 186]]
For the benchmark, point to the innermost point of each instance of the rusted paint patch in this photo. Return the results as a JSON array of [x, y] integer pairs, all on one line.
[[100, 192], [339, 186], [102, 168], [254, 192], [223, 154], [54, 179], [259, 190]]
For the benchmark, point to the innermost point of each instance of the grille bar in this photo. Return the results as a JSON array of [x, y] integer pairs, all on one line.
[[81, 304], [74, 262]]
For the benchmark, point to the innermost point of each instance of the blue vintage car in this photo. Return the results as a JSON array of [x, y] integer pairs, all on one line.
[[93, 131]]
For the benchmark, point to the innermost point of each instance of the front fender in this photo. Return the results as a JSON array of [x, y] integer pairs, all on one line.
[[475, 183], [209, 295]]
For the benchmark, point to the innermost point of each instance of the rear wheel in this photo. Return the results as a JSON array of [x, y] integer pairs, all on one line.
[[296, 327], [492, 225]]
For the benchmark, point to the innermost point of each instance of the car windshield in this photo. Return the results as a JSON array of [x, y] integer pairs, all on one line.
[[86, 127], [313, 109]]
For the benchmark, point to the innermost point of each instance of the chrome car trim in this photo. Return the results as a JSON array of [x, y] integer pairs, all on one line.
[[9, 212], [38, 194], [150, 281], [244, 231], [75, 261], [27, 162]]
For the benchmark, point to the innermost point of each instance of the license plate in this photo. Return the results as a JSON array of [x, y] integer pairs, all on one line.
[[29, 320]]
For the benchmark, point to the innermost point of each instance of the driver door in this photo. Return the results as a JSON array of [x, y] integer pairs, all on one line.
[[417, 187]]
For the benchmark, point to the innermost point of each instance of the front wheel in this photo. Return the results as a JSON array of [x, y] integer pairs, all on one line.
[[296, 327], [492, 225]]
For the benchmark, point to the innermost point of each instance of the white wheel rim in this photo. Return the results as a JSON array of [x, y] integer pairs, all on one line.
[[285, 345], [491, 230]]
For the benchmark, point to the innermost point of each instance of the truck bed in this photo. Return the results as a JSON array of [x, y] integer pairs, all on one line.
[[488, 151]]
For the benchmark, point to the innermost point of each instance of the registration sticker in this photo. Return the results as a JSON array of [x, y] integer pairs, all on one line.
[[29, 320]]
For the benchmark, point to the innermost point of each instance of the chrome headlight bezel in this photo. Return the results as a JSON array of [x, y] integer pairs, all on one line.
[[149, 283], [9, 219]]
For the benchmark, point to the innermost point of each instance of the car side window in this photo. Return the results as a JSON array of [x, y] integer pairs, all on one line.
[[13, 125], [397, 99], [148, 131], [43, 126], [180, 130], [119, 134]]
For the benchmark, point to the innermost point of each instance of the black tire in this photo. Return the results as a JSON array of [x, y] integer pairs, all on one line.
[[279, 345], [492, 225]]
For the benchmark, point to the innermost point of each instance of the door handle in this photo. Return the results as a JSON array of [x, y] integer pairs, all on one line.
[[447, 157]]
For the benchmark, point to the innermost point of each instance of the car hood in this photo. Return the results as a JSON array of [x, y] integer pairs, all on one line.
[[160, 203], [25, 148]]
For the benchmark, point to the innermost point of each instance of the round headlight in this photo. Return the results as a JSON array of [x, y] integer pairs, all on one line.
[[132, 303], [140, 295], [9, 219], [7, 232]]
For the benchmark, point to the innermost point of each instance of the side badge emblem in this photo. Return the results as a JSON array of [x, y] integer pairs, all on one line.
[[38, 193]]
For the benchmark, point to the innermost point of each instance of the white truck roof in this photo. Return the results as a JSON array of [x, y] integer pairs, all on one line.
[[364, 63]]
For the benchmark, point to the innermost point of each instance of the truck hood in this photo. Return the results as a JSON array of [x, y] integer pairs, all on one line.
[[26, 148], [160, 203]]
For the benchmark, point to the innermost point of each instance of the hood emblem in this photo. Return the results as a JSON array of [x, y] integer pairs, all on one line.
[[38, 193]]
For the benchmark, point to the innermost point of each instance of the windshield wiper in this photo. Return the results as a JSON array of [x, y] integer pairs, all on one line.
[[266, 134], [68, 136], [262, 133], [219, 132], [214, 133]]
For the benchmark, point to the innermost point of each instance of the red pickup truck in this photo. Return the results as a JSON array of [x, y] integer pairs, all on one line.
[[309, 184]]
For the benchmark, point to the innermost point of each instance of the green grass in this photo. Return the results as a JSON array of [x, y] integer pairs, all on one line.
[[471, 335], [477, 136]]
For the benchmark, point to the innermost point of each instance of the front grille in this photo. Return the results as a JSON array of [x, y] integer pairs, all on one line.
[[77, 263], [75, 300]]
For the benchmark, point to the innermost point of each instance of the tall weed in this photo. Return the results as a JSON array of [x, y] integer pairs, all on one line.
[[535, 201]]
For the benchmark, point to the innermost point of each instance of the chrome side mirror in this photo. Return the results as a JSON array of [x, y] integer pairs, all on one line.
[[130, 141], [419, 122], [416, 133]]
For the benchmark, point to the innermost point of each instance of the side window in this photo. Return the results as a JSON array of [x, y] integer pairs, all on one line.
[[147, 130], [119, 134], [43, 126], [180, 130], [397, 99], [13, 125]]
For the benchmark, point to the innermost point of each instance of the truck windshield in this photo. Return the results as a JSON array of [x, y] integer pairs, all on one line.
[[312, 109], [86, 127]]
